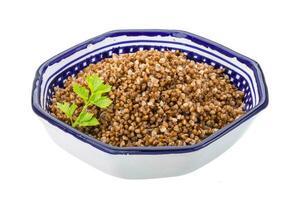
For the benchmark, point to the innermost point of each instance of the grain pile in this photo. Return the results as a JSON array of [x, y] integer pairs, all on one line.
[[159, 99]]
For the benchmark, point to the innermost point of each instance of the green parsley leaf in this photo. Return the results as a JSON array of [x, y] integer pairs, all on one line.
[[81, 91], [86, 119], [91, 122], [103, 88], [67, 109], [101, 101], [72, 109], [94, 82]]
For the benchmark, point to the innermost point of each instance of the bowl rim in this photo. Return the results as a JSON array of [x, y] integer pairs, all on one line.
[[262, 89]]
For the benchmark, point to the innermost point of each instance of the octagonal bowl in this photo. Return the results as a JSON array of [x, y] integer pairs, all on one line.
[[148, 162]]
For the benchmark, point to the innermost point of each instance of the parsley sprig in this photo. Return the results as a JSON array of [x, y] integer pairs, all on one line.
[[93, 96]]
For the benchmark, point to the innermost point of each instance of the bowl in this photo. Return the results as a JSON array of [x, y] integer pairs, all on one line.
[[148, 162]]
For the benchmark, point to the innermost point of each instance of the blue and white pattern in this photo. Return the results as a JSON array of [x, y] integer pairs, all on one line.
[[243, 72]]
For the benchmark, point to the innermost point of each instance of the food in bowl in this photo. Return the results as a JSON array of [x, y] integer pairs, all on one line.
[[156, 98]]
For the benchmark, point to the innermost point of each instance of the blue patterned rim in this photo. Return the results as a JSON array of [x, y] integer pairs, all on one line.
[[262, 90]]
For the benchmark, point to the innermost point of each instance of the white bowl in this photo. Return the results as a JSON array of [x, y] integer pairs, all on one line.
[[147, 162]]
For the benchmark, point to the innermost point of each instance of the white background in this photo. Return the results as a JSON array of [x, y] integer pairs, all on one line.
[[263, 164]]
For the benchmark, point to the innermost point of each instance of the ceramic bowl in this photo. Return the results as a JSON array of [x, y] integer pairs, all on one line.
[[148, 162]]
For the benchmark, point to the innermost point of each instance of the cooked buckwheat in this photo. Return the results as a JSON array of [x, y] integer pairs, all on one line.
[[159, 99]]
